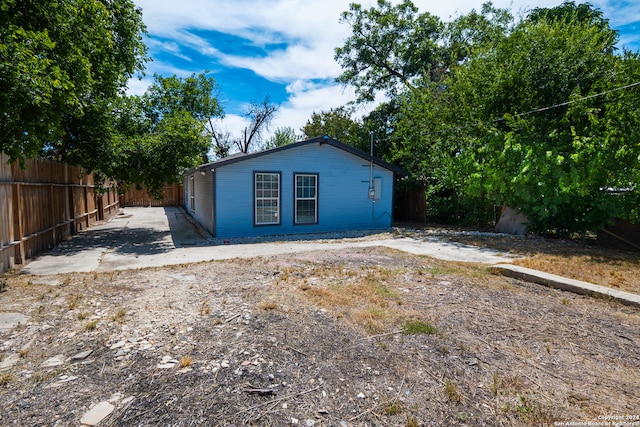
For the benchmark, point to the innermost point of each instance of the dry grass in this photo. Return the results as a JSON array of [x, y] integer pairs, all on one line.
[[481, 349], [91, 326], [119, 315], [568, 258], [5, 378], [185, 361], [605, 270], [361, 297]]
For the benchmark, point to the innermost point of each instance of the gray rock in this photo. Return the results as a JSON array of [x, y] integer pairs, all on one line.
[[53, 361], [98, 413], [82, 356], [9, 362], [11, 320]]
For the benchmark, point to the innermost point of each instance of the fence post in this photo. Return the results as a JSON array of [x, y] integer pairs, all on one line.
[[86, 205], [18, 227]]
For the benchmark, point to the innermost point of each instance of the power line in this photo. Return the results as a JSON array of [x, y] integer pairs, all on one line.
[[577, 100], [538, 110]]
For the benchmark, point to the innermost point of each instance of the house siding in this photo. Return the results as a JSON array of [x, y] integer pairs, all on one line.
[[343, 203], [204, 196]]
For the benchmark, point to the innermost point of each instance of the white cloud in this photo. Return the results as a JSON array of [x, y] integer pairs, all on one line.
[[136, 86], [306, 98], [311, 31], [294, 63]]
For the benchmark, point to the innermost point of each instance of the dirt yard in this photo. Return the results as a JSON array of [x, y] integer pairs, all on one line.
[[367, 337]]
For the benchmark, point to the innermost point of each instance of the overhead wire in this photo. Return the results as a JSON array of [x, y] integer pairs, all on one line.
[[537, 110]]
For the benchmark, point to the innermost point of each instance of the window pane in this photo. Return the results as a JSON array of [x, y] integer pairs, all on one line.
[[267, 196], [267, 211], [306, 211], [306, 203]]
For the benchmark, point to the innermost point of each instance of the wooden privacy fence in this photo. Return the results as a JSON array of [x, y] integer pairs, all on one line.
[[45, 203], [173, 195]]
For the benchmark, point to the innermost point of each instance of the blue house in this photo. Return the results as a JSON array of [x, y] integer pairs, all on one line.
[[317, 185]]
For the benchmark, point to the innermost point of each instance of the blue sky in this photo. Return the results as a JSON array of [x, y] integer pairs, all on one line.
[[284, 48]]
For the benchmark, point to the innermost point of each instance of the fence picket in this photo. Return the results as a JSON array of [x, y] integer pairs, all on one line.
[[44, 203]]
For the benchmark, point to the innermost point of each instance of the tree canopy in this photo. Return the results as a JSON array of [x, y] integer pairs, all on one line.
[[391, 47], [336, 122], [165, 130], [63, 64], [283, 136], [539, 113]]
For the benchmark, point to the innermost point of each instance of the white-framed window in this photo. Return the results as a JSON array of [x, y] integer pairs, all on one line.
[[306, 199], [267, 198], [192, 194]]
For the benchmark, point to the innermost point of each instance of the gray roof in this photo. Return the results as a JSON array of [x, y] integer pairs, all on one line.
[[239, 157]]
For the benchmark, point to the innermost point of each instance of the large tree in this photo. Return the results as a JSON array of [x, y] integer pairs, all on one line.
[[259, 114], [552, 136], [165, 130], [337, 123], [391, 48], [63, 64], [283, 136], [557, 162], [540, 112]]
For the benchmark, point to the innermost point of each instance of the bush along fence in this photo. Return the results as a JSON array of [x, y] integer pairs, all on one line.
[[44, 203]]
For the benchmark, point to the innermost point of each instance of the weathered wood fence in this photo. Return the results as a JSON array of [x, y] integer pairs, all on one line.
[[173, 195], [45, 203]]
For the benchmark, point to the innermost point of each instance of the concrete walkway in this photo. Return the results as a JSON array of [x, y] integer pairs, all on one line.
[[154, 237]]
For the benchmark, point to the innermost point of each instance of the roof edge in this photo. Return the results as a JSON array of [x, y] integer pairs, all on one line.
[[325, 139]]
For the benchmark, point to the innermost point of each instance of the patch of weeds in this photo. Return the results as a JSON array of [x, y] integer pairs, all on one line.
[[496, 383], [3, 285], [119, 315], [44, 376], [73, 301], [393, 408], [412, 422], [417, 327], [372, 318], [91, 326], [452, 391], [566, 301], [531, 412], [204, 310], [82, 315], [506, 385], [185, 361], [437, 271], [5, 379], [524, 408], [384, 291], [268, 305]]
